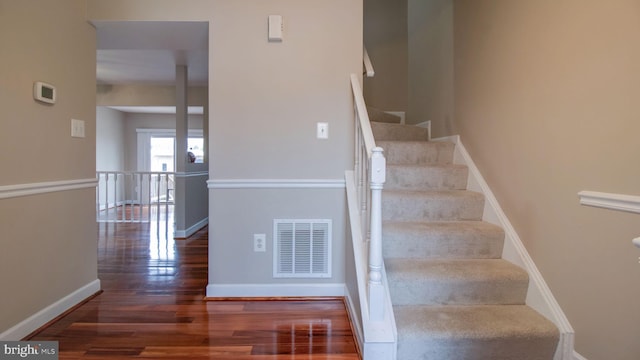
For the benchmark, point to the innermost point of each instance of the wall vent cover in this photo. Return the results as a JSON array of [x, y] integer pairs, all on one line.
[[302, 248]]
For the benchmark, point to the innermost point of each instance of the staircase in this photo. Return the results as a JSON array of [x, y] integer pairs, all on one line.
[[453, 295]]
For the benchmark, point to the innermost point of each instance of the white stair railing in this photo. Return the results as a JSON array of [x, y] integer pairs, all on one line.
[[370, 174], [368, 66], [141, 196]]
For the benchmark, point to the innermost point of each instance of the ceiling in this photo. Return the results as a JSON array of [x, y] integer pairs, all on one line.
[[147, 52]]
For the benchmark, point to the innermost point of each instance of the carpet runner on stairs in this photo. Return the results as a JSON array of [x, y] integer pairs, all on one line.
[[454, 297]]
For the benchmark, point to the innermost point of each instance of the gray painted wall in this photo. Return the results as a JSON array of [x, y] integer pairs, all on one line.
[[110, 139]]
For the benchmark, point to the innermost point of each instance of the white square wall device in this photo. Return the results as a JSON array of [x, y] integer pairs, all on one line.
[[276, 28], [44, 92]]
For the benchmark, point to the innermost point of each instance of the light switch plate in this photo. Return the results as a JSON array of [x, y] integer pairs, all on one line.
[[323, 130], [77, 128]]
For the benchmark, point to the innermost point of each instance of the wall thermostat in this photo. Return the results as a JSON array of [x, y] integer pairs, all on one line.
[[44, 92]]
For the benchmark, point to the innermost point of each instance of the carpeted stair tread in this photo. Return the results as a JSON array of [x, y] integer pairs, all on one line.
[[385, 131], [474, 332], [417, 152], [427, 177], [456, 282], [436, 205], [442, 239]]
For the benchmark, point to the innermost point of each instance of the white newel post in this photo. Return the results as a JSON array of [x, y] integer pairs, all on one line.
[[376, 291]]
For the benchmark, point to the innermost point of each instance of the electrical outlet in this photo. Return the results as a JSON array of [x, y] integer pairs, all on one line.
[[259, 242]]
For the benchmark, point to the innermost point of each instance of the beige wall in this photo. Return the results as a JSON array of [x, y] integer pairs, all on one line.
[[385, 36], [31, 52], [547, 96], [266, 98], [39, 265], [430, 49]]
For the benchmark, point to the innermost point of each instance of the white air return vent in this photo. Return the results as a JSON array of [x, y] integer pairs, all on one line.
[[302, 248]]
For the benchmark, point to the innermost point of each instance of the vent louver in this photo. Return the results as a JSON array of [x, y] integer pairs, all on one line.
[[302, 248]]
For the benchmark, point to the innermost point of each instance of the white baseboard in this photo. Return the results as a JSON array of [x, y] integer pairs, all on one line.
[[182, 234], [37, 320], [275, 290], [401, 114], [353, 315], [426, 125], [539, 295], [577, 356]]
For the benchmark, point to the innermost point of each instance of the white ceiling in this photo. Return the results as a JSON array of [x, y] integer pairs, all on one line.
[[148, 52]]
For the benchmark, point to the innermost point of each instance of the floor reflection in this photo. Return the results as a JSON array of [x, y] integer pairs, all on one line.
[[154, 306]]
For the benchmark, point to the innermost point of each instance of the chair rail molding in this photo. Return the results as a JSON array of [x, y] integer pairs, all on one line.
[[11, 191], [618, 202], [276, 184]]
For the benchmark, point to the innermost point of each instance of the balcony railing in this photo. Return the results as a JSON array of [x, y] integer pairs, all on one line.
[[125, 196]]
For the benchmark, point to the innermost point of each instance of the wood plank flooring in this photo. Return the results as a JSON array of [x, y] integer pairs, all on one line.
[[153, 307]]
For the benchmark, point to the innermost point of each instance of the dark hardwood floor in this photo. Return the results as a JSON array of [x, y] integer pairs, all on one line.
[[153, 307]]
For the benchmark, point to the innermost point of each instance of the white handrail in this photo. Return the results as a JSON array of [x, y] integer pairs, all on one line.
[[370, 174], [368, 66], [610, 201], [362, 116], [619, 202], [133, 196]]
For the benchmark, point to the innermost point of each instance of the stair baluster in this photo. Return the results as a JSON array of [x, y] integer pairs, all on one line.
[[370, 170]]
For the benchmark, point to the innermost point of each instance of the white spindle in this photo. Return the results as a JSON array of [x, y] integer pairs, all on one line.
[[98, 197], [377, 173], [158, 178], [149, 195], [106, 193]]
